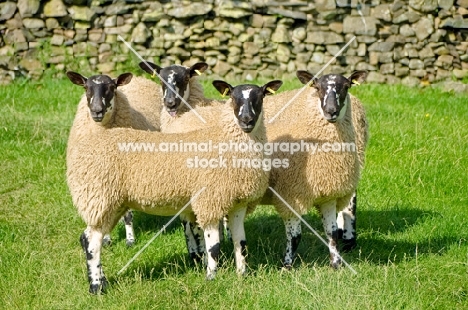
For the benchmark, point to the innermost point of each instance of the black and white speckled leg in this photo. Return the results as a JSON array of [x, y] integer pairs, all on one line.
[[193, 237], [293, 238], [347, 225], [236, 225], [91, 241], [328, 211], [212, 248], [129, 233]]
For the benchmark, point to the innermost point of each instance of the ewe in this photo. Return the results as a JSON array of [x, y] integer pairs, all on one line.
[[327, 117]]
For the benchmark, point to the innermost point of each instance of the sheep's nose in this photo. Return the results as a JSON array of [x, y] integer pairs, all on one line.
[[246, 118], [170, 103]]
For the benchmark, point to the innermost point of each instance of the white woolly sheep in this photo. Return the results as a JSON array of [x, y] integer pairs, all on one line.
[[114, 110], [322, 116], [145, 99], [106, 178]]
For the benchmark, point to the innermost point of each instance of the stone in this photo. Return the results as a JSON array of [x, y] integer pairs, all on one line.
[[81, 13], [445, 4], [7, 10], [407, 31], [140, 33], [234, 9], [283, 53], [325, 5], [178, 51], [375, 77], [251, 48], [444, 61], [401, 71], [386, 57], [360, 25], [55, 8], [416, 64], [117, 8], [381, 47], [299, 34], [27, 8], [31, 64], [443, 74], [424, 6], [456, 23], [460, 73], [57, 39], [322, 37], [281, 35], [423, 28], [293, 14], [420, 73], [383, 12], [52, 23], [426, 52], [336, 27], [33, 23], [410, 81], [221, 68], [256, 21], [463, 3], [190, 10]]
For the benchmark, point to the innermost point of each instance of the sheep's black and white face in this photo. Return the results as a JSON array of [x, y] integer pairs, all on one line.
[[247, 101], [175, 84], [332, 90], [100, 92]]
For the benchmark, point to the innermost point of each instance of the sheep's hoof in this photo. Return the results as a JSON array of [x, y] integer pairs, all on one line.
[[211, 275], [286, 267], [348, 244], [106, 241], [130, 242], [335, 264]]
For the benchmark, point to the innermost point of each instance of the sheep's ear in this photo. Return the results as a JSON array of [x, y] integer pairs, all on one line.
[[77, 78], [271, 87], [224, 88], [149, 67], [123, 79], [358, 77], [305, 77], [198, 68]]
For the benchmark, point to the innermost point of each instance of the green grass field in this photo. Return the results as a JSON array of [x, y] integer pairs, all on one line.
[[412, 218]]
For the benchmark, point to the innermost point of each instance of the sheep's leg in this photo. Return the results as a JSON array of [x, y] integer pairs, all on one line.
[[213, 249], [91, 241], [107, 240], [347, 225], [236, 224], [226, 227], [193, 237], [129, 233], [293, 237], [328, 211]]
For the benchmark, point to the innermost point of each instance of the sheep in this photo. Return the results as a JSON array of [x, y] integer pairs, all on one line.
[[327, 180], [105, 178], [145, 98], [123, 114]]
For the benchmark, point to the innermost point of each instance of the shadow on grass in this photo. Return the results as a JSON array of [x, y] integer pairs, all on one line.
[[143, 222], [266, 242]]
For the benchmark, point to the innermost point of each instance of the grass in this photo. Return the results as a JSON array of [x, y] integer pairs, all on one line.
[[412, 219]]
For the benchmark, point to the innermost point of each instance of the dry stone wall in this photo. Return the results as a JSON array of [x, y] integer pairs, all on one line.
[[411, 42]]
